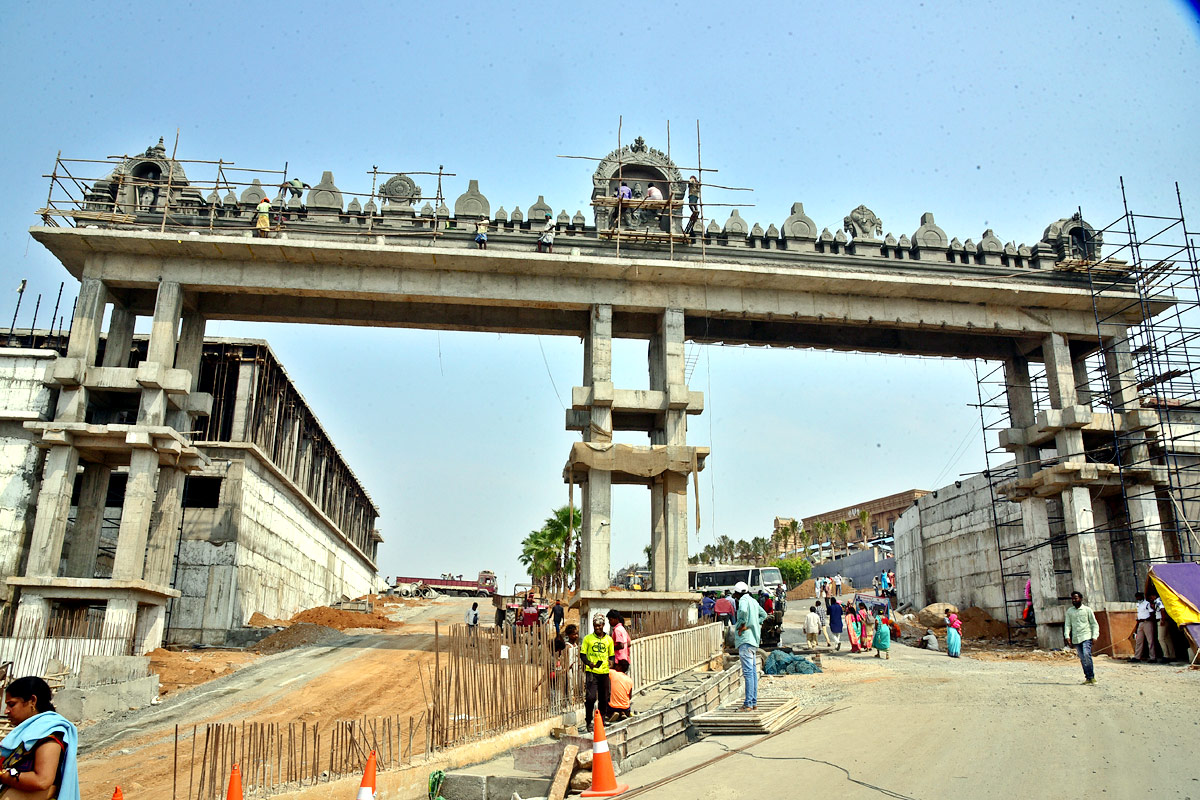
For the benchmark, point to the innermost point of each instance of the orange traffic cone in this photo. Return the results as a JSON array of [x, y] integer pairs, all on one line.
[[604, 779], [366, 790], [117, 795], [235, 784]]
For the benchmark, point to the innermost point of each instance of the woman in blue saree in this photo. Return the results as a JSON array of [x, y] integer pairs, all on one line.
[[953, 635], [37, 758]]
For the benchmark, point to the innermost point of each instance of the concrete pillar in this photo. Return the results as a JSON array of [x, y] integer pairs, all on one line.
[[161, 350], [54, 503], [240, 428], [165, 521], [148, 628], [89, 520], [1076, 500], [676, 519], [167, 516], [82, 346], [1108, 570], [1144, 522], [49, 530], [667, 374], [1035, 524], [658, 533], [120, 617], [120, 337], [135, 515], [597, 490]]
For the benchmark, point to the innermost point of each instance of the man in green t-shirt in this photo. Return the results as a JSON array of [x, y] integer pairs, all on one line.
[[595, 652]]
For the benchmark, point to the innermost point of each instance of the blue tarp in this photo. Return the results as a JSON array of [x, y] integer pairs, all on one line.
[[781, 662]]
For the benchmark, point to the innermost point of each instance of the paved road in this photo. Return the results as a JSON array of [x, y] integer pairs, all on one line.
[[926, 726]]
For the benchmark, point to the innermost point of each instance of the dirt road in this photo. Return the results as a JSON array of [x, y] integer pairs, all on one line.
[[372, 674]]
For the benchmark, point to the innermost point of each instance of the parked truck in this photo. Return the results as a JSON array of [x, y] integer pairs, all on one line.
[[483, 586]]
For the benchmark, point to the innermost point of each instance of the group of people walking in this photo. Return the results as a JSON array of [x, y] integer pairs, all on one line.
[[866, 628]]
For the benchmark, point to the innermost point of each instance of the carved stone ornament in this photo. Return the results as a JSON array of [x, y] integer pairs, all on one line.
[[639, 145], [862, 223], [400, 189]]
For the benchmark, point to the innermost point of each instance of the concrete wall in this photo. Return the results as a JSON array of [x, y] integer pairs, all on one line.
[[946, 549], [265, 548], [22, 397], [859, 567]]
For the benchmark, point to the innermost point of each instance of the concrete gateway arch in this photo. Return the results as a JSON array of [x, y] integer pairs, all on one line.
[[187, 254]]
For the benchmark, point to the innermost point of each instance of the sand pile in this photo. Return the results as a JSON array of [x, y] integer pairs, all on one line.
[[344, 620], [258, 620], [979, 624], [184, 669], [804, 591], [300, 634]]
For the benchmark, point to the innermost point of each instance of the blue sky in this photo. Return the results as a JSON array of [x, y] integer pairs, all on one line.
[[991, 115]]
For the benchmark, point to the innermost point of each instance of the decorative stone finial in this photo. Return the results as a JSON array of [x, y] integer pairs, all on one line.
[[799, 225], [929, 235], [325, 195], [862, 224], [540, 209], [253, 194], [472, 203], [735, 224], [501, 215]]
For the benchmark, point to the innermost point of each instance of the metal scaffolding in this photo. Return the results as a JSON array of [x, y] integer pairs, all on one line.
[[1142, 384]]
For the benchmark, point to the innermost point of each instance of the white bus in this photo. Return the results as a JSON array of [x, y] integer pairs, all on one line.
[[719, 577]]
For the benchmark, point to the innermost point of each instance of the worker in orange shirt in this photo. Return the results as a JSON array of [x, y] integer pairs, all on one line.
[[620, 692]]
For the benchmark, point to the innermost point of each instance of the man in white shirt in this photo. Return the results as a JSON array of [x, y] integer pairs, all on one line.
[[1146, 636], [472, 619], [812, 626], [1165, 647], [546, 239], [837, 582], [653, 192]]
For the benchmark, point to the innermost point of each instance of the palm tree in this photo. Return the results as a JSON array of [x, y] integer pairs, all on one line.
[[760, 548], [725, 548], [843, 535], [743, 550], [793, 531], [648, 550], [803, 540], [550, 553], [864, 517]]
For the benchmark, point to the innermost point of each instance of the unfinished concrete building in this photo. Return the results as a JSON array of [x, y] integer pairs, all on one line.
[[258, 512], [152, 241]]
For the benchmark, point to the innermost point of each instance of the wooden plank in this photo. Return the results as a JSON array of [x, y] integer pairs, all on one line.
[[562, 776]]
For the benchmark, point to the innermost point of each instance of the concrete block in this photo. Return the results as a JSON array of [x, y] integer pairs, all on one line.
[[539, 759], [464, 786], [502, 787], [97, 670], [66, 372], [1076, 416], [98, 702], [602, 393]]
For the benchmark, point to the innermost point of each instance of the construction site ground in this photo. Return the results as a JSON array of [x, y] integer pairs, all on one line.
[[920, 725], [352, 673]]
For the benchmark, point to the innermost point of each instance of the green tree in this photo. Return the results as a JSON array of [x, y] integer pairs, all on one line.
[[843, 534], [795, 571], [551, 552], [864, 517], [760, 550]]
